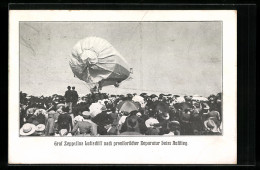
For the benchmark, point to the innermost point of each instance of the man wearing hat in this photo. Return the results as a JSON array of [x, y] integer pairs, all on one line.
[[75, 97], [103, 121], [69, 98], [85, 127], [132, 126], [174, 128]]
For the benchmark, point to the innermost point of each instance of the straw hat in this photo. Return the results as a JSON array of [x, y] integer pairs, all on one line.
[[211, 125], [27, 129], [40, 127]]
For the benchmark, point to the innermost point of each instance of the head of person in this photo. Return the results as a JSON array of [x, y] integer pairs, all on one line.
[[65, 109], [174, 126], [51, 114], [188, 110], [73, 88], [133, 112], [68, 87], [132, 124], [103, 108]]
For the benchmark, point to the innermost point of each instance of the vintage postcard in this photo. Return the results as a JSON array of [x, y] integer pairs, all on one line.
[[122, 87]]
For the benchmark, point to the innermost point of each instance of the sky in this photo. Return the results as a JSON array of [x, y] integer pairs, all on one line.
[[182, 58]]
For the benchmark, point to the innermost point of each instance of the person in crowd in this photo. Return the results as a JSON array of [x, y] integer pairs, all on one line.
[[50, 124], [52, 106], [75, 97], [40, 116], [64, 120], [185, 116], [174, 128], [40, 130], [132, 126], [150, 124], [85, 127], [78, 118], [22, 114], [122, 119], [69, 98], [158, 115], [103, 120], [212, 126]]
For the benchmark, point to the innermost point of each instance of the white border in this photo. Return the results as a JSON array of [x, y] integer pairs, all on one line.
[[200, 149]]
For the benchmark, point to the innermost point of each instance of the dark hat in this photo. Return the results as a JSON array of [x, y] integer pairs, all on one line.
[[174, 125], [153, 96], [143, 94], [68, 87]]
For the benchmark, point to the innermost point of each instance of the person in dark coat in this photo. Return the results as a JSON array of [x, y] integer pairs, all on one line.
[[103, 121], [141, 123], [75, 97], [40, 118], [69, 98], [132, 126], [64, 120]]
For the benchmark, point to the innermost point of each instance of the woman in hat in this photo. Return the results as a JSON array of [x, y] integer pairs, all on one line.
[[50, 124], [40, 130]]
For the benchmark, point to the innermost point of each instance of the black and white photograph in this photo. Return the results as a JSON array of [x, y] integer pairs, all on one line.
[[120, 78], [122, 87]]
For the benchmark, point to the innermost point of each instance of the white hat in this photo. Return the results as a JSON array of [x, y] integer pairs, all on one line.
[[149, 122], [40, 127], [63, 132], [211, 125], [86, 113], [27, 129], [78, 119]]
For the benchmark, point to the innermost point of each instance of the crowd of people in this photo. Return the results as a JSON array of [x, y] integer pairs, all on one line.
[[132, 114]]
